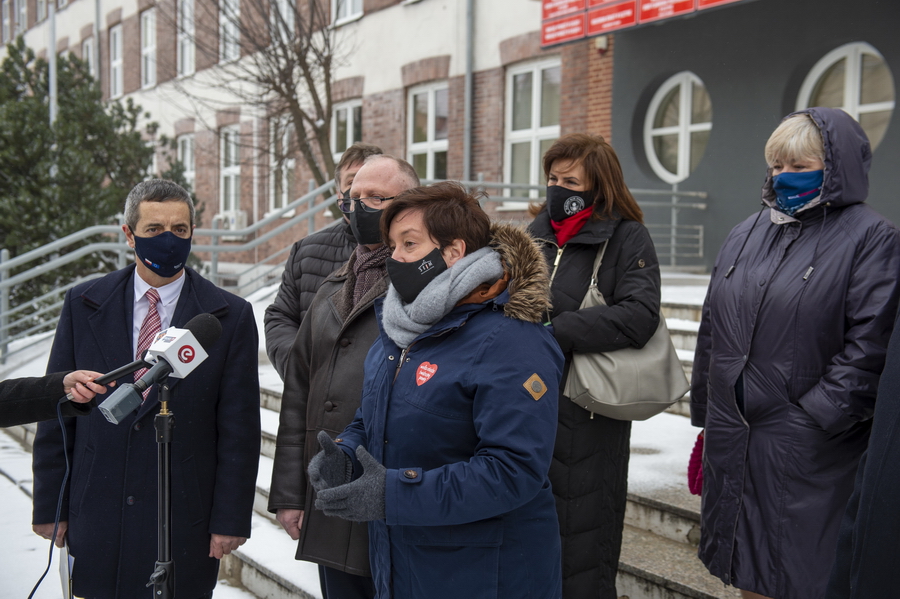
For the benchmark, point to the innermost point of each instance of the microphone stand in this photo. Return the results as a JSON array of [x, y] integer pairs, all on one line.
[[163, 578]]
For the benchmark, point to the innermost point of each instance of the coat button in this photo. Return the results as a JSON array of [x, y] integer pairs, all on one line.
[[130, 500], [138, 426], [762, 282], [391, 358], [345, 342], [411, 474], [329, 406]]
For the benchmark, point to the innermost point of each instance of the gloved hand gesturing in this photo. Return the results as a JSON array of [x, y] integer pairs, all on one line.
[[330, 467], [363, 499]]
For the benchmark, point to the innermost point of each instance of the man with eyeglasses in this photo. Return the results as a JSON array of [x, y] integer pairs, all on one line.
[[311, 260], [323, 384]]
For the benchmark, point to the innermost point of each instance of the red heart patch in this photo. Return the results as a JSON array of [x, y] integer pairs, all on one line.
[[426, 371]]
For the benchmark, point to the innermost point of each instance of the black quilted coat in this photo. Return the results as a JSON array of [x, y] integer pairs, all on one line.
[[800, 327], [312, 259], [590, 460]]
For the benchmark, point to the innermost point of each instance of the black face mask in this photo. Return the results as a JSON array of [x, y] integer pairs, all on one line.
[[563, 203], [366, 226], [410, 278]]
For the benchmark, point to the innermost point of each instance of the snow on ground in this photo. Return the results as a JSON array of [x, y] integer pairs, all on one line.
[[662, 448]]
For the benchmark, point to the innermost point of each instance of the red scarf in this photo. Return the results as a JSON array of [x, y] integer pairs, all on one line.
[[570, 227]]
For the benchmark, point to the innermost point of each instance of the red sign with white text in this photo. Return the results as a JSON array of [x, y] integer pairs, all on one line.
[[595, 3], [562, 30], [653, 10], [701, 4], [611, 16], [559, 8]]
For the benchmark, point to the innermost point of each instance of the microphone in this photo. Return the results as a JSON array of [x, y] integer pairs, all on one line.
[[114, 374], [176, 352]]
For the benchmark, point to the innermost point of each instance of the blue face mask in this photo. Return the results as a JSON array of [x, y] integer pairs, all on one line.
[[795, 190], [164, 254]]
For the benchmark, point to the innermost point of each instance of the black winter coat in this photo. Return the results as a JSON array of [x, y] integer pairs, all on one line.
[[33, 399], [866, 561], [312, 259], [590, 460], [803, 319], [322, 390]]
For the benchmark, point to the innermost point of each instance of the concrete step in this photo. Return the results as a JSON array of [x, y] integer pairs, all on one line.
[[671, 512], [654, 567]]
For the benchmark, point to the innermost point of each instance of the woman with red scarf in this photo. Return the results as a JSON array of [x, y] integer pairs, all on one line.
[[588, 205]]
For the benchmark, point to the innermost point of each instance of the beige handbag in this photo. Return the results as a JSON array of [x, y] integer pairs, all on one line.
[[630, 383]]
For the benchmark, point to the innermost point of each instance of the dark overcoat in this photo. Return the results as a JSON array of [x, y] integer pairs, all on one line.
[[322, 386], [111, 497], [800, 325], [867, 559], [590, 461], [32, 399]]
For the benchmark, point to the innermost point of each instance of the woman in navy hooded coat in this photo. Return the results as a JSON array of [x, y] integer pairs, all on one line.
[[791, 345], [455, 433]]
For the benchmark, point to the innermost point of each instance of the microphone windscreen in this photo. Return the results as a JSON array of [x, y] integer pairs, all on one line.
[[206, 329]]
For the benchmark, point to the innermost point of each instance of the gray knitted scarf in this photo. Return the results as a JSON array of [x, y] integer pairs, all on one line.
[[404, 322]]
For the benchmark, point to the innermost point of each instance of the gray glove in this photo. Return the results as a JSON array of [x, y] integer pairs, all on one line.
[[363, 499], [330, 467]]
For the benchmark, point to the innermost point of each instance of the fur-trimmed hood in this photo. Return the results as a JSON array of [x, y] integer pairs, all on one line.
[[529, 277]]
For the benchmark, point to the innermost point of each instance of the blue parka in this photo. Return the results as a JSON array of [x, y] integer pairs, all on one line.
[[464, 420], [798, 316]]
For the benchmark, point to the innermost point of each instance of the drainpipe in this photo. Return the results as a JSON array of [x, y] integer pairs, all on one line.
[[469, 91], [96, 44]]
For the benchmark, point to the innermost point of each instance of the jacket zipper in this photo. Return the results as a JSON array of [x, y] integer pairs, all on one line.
[[559, 253]]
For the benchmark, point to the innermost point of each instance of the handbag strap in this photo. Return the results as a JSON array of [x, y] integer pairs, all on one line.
[[597, 262]]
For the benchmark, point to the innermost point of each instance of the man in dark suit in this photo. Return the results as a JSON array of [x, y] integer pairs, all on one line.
[[32, 399], [109, 514]]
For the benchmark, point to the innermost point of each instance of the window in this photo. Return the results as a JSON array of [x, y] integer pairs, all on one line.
[[346, 10], [428, 112], [532, 122], [87, 55], [283, 20], [856, 78], [21, 8], [346, 126], [186, 158], [229, 33], [153, 167], [41, 10], [7, 22], [283, 149], [148, 48], [115, 61], [677, 127], [231, 170], [62, 3], [186, 60]]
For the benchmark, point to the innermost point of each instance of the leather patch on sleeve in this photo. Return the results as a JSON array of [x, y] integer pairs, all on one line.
[[535, 386]]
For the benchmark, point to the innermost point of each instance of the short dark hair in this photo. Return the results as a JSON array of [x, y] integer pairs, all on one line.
[[358, 152], [602, 172], [154, 190], [449, 212]]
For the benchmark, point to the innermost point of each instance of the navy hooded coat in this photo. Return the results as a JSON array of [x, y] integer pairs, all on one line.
[[799, 312]]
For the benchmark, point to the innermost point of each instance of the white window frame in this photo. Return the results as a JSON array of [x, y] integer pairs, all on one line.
[[7, 31], [350, 106], [280, 125], [62, 3], [346, 11], [229, 30], [431, 145], [683, 129], [87, 55], [116, 87], [285, 8], [187, 157], [41, 10], [230, 145], [185, 34], [148, 48], [535, 135], [853, 53], [21, 10], [153, 167]]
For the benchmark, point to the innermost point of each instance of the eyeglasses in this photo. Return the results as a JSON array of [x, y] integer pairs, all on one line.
[[373, 204]]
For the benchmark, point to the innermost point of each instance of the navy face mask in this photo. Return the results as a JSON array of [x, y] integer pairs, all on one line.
[[164, 254], [563, 203], [366, 226], [410, 278], [795, 190]]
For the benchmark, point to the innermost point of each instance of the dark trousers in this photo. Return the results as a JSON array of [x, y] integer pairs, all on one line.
[[341, 585]]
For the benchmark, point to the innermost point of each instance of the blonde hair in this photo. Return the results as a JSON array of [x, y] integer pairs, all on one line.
[[796, 137]]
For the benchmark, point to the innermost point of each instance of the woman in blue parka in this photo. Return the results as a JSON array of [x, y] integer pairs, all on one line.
[[791, 345], [450, 450]]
